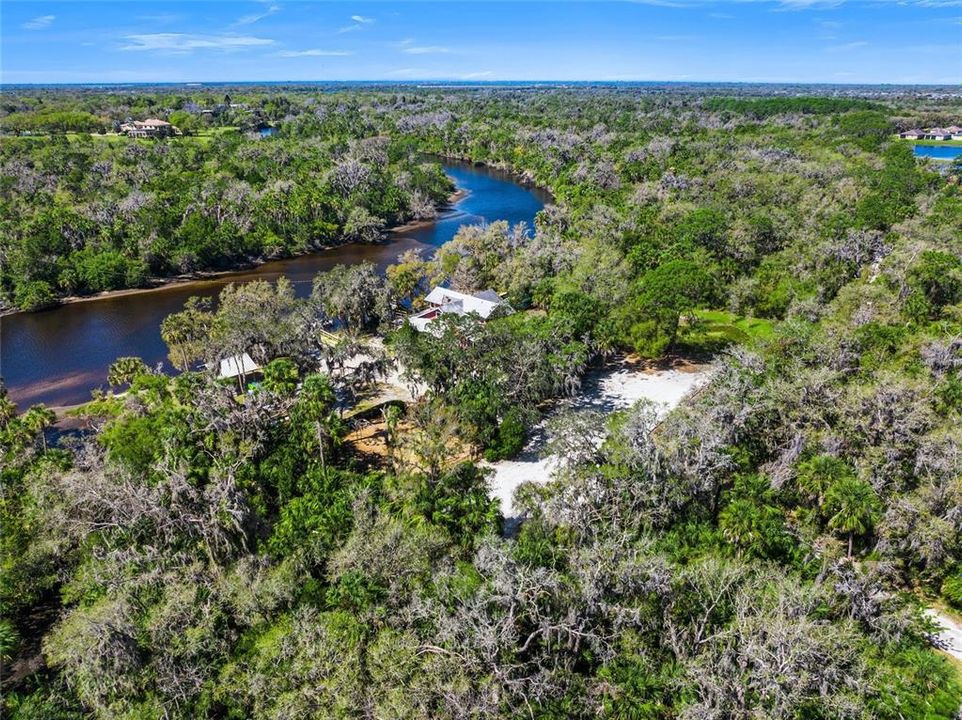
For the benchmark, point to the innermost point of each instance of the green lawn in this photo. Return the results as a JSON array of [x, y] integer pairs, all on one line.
[[109, 137], [203, 137], [213, 132], [934, 143], [72, 137], [713, 330]]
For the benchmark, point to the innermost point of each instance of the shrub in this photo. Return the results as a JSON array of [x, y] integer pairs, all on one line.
[[952, 589], [34, 295], [510, 437], [936, 282]]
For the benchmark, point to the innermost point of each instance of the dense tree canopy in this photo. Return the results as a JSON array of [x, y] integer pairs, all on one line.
[[226, 548]]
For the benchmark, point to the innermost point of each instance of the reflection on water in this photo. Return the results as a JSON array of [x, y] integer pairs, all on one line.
[[57, 356]]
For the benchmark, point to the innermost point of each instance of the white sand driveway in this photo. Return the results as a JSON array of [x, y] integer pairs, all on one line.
[[950, 639], [614, 388]]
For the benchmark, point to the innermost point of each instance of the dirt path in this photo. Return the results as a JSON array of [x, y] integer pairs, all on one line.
[[606, 390]]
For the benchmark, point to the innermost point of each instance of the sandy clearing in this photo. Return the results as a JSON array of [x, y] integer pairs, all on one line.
[[606, 390], [950, 639]]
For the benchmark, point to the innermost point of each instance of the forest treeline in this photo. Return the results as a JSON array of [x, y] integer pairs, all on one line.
[[766, 550], [84, 214]]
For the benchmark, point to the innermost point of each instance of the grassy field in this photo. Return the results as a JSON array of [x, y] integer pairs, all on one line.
[[203, 137], [932, 143], [712, 330]]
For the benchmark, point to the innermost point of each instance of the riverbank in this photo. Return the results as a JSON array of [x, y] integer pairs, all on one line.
[[158, 284], [452, 200], [57, 357], [525, 177]]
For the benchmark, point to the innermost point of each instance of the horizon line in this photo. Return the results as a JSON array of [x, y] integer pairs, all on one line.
[[489, 81]]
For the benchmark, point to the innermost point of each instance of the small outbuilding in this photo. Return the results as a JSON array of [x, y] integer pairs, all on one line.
[[235, 366]]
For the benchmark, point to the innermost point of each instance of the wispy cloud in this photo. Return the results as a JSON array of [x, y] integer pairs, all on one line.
[[160, 18], [809, 4], [41, 22], [187, 43], [477, 75], [844, 47], [357, 23], [425, 50], [271, 9], [937, 49], [667, 3], [314, 52], [831, 4], [794, 4]]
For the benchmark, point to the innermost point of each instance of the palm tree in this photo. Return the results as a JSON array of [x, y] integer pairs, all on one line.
[[174, 331], [37, 419], [281, 376], [753, 526], [854, 505], [8, 409], [125, 369], [314, 406], [739, 523], [818, 474], [183, 332]]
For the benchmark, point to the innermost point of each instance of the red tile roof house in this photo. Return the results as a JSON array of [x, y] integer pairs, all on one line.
[[911, 134], [444, 301], [150, 128]]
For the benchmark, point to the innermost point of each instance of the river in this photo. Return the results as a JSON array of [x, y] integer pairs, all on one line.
[[58, 356]]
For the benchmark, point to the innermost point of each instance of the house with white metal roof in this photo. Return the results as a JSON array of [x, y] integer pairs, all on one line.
[[446, 301], [237, 366]]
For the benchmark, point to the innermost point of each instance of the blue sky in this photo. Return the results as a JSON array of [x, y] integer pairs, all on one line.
[[843, 41]]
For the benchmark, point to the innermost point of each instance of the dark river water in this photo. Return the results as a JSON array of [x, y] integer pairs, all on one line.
[[58, 356]]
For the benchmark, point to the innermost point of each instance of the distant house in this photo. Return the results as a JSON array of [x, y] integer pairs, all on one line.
[[444, 301], [217, 110], [937, 134], [952, 132], [150, 128]]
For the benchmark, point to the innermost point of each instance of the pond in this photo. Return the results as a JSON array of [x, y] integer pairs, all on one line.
[[938, 152], [58, 356]]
